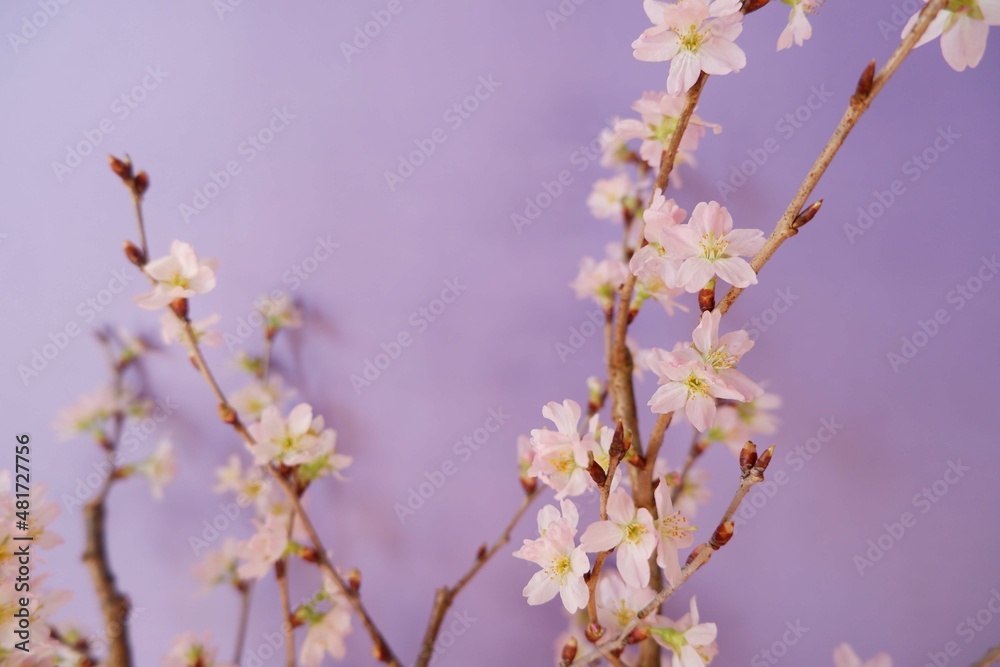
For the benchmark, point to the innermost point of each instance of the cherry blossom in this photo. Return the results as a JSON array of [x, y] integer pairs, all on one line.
[[563, 563], [689, 385], [630, 531], [844, 656], [173, 331], [720, 355], [280, 311], [673, 533], [798, 29], [293, 441], [708, 246], [963, 26], [561, 459], [251, 400], [610, 196], [599, 280], [91, 413], [618, 604], [160, 468], [219, 565], [728, 428], [696, 36], [190, 650], [264, 548], [692, 642], [179, 275], [327, 630], [757, 416], [660, 113]]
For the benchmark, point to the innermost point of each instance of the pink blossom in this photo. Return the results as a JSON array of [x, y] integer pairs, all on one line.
[[963, 27], [692, 642], [173, 331], [563, 563], [190, 650], [729, 429], [561, 459], [160, 468], [219, 565], [292, 441], [708, 246], [798, 29], [696, 36], [280, 311], [327, 630], [720, 355], [757, 416], [179, 275], [599, 280], [266, 546], [630, 531], [844, 656], [618, 604], [689, 385], [251, 400], [610, 196], [656, 272], [660, 113], [673, 533]]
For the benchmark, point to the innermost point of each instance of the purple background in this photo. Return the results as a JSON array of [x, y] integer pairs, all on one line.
[[495, 346]]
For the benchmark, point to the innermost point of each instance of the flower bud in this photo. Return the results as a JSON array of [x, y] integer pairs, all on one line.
[[380, 652], [723, 533], [481, 553], [594, 632], [227, 414], [748, 457], [180, 308], [354, 579], [122, 168], [806, 215], [140, 183], [750, 6], [134, 254], [865, 83], [765, 459], [636, 636], [569, 650], [597, 473]]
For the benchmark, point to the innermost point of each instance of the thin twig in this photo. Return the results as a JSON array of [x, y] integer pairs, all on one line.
[[380, 649], [281, 575], [860, 102], [723, 533], [246, 594], [445, 596]]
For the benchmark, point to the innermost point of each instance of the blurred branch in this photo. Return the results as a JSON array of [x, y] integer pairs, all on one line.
[[445, 596], [869, 86]]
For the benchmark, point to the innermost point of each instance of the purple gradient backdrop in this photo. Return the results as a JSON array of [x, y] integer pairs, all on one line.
[[495, 346]]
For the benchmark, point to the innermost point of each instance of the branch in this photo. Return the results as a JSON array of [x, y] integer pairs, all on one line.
[[992, 657], [380, 649], [281, 574], [114, 605], [604, 481], [445, 596], [868, 87], [752, 474], [245, 589]]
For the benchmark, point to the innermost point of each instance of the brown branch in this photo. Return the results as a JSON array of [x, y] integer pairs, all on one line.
[[869, 86], [445, 596], [752, 474], [245, 589], [380, 647], [604, 481], [281, 575], [114, 604], [992, 657]]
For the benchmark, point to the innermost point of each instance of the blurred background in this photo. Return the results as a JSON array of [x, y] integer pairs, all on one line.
[[309, 115]]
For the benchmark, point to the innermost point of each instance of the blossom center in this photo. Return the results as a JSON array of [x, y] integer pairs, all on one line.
[[560, 567], [696, 386], [664, 130], [673, 526], [719, 359], [970, 7], [633, 532], [623, 614], [713, 247], [692, 40]]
